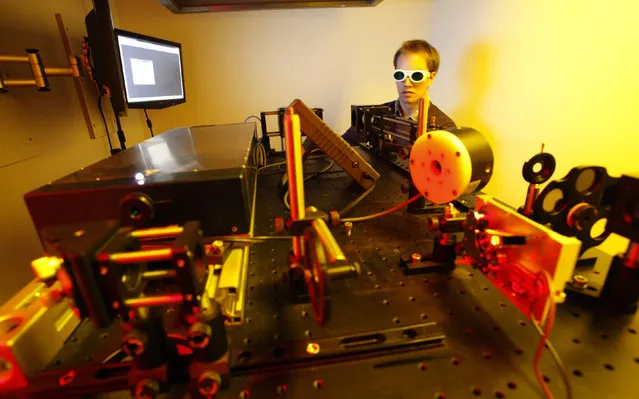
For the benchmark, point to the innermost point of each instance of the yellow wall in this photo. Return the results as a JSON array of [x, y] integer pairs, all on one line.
[[43, 136], [522, 72], [561, 71], [240, 63]]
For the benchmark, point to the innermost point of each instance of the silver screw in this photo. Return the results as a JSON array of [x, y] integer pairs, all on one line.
[[579, 281], [218, 247], [348, 227]]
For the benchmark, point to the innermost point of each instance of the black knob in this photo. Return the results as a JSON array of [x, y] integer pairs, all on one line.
[[136, 209]]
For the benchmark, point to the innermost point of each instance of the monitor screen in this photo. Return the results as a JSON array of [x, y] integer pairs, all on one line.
[[151, 70]]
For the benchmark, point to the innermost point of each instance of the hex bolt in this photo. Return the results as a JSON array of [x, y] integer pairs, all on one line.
[[280, 226], [134, 343], [579, 281], [405, 187], [348, 228], [217, 248], [433, 224], [5, 368], [199, 335], [209, 383], [46, 267], [147, 389]]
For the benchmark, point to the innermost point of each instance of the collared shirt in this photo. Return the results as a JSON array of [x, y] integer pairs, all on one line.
[[398, 112], [441, 120]]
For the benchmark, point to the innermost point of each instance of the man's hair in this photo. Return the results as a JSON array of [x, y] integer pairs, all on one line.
[[420, 46]]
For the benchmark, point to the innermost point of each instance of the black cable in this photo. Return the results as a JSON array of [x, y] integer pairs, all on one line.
[[260, 154], [121, 136], [106, 128], [148, 122], [312, 176], [348, 208], [258, 119]]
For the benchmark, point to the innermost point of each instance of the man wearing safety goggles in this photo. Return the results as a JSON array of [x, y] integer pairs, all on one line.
[[416, 63]]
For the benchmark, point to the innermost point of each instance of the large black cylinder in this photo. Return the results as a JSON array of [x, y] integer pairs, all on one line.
[[445, 165]]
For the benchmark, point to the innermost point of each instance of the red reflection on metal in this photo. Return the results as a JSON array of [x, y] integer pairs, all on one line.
[[495, 241]]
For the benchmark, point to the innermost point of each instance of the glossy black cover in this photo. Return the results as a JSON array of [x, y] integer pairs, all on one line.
[[204, 173]]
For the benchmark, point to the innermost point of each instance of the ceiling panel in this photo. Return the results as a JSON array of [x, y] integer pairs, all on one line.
[[190, 6]]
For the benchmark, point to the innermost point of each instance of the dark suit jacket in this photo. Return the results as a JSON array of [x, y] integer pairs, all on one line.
[[442, 121]]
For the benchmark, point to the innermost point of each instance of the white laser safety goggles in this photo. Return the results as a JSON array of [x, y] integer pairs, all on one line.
[[415, 75]]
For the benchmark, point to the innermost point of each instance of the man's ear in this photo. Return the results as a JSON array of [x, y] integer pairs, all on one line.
[[432, 75]]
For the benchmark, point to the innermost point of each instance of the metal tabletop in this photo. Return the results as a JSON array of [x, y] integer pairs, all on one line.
[[487, 348]]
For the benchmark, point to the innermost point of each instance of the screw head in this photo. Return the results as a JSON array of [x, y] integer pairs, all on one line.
[[313, 348], [147, 389], [217, 248], [579, 281], [5, 368], [134, 343], [199, 335], [46, 267], [280, 226], [67, 378], [348, 228], [405, 187], [209, 383]]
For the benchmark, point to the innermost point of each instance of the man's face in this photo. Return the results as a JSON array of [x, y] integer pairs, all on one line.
[[409, 91]]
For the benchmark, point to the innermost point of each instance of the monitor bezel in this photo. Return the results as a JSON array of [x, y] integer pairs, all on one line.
[[157, 104]]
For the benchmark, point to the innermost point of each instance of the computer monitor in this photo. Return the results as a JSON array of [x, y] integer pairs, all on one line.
[[104, 57], [151, 70]]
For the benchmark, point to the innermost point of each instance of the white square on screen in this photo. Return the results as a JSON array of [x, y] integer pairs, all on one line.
[[142, 71]]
